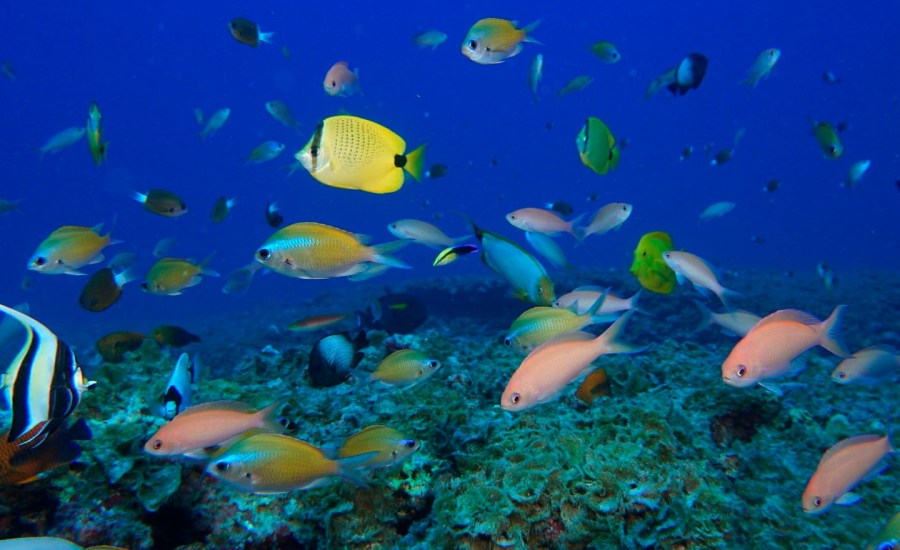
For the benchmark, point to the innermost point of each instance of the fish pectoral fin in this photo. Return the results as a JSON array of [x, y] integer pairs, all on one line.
[[848, 499], [70, 271], [99, 258], [774, 388], [680, 278]]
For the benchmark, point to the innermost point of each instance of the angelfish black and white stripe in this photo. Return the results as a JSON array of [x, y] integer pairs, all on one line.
[[43, 383]]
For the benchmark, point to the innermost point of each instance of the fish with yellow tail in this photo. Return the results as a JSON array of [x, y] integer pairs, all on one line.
[[693, 268], [768, 350], [493, 40], [521, 270], [171, 276], [68, 249], [310, 250], [94, 130], [843, 467], [349, 152], [268, 464], [597, 146], [547, 370], [384, 445], [405, 368]]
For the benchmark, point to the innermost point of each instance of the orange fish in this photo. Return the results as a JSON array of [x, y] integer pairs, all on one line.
[[112, 347], [341, 81], [841, 468], [210, 424], [21, 463], [595, 385], [316, 322]]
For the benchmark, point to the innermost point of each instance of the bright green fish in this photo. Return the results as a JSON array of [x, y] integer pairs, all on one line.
[[95, 134], [649, 266], [523, 271], [597, 146], [828, 140], [607, 52]]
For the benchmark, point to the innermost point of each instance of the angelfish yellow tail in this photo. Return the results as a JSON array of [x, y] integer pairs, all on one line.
[[415, 162]]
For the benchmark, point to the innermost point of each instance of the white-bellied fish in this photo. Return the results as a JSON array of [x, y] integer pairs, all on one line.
[[43, 383], [686, 76], [607, 218], [405, 368], [349, 152], [542, 376], [597, 146], [94, 130], [247, 32], [843, 467], [62, 139], [494, 40], [215, 122], [521, 270], [341, 81], [281, 113], [170, 276], [422, 232], [769, 349], [69, 248], [310, 250], [874, 365], [582, 298], [762, 67], [177, 396], [384, 445], [430, 39], [161, 202], [698, 272], [543, 221]]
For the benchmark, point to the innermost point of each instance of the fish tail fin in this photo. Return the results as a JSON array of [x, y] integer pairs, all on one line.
[[609, 337], [346, 464], [705, 316], [830, 338], [725, 297], [415, 162], [381, 254], [266, 37], [203, 266], [269, 417], [576, 230], [528, 29]]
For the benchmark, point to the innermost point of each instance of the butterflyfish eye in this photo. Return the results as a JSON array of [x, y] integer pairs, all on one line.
[[741, 371], [264, 254], [314, 151], [473, 44], [40, 261], [516, 398], [157, 445]]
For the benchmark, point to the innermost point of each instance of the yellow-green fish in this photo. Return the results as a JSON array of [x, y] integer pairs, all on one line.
[[649, 266], [221, 209], [216, 121], [576, 84], [523, 271], [169, 276], [597, 146], [606, 52], [94, 131], [889, 537], [828, 140], [389, 445], [430, 39], [161, 202], [405, 368], [265, 151], [354, 153], [310, 250], [539, 324], [267, 464], [494, 40], [69, 248]]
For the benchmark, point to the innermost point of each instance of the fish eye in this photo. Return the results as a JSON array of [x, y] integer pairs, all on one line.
[[507, 341], [842, 375], [410, 443], [157, 445], [434, 364], [248, 475], [171, 210], [264, 254], [221, 467], [817, 502], [512, 216], [394, 453], [40, 261], [515, 398], [741, 371], [314, 151], [473, 44]]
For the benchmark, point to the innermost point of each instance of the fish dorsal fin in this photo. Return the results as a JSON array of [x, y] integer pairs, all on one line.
[[855, 440], [222, 405], [589, 288], [793, 315]]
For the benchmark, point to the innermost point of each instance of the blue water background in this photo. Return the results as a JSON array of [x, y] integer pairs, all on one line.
[[148, 65]]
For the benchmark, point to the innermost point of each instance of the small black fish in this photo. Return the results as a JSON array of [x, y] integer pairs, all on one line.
[[688, 74], [221, 209], [686, 152], [247, 32], [561, 207], [722, 157], [273, 218], [103, 289], [772, 186], [172, 336], [436, 171], [333, 358]]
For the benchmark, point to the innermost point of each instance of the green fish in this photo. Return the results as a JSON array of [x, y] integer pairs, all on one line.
[[889, 537], [597, 146], [576, 84], [94, 130], [828, 140], [523, 271], [649, 267], [405, 368], [539, 324], [607, 52]]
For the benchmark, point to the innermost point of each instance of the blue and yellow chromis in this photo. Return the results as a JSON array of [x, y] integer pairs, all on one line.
[[597, 146], [384, 445], [170, 276], [68, 249], [94, 131], [349, 152], [494, 40], [405, 368], [309, 250]]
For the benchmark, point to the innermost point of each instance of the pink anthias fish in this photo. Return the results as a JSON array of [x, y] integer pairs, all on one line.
[[210, 424], [341, 81], [547, 370], [841, 468], [766, 352], [695, 269], [543, 221], [583, 297], [608, 217], [872, 365]]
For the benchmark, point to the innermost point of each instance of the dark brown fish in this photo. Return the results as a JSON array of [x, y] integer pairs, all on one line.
[[112, 347], [273, 217], [172, 336], [103, 289], [247, 32], [21, 463], [162, 202], [221, 209], [595, 385]]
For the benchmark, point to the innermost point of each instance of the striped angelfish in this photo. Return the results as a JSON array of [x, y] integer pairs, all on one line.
[[43, 383]]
